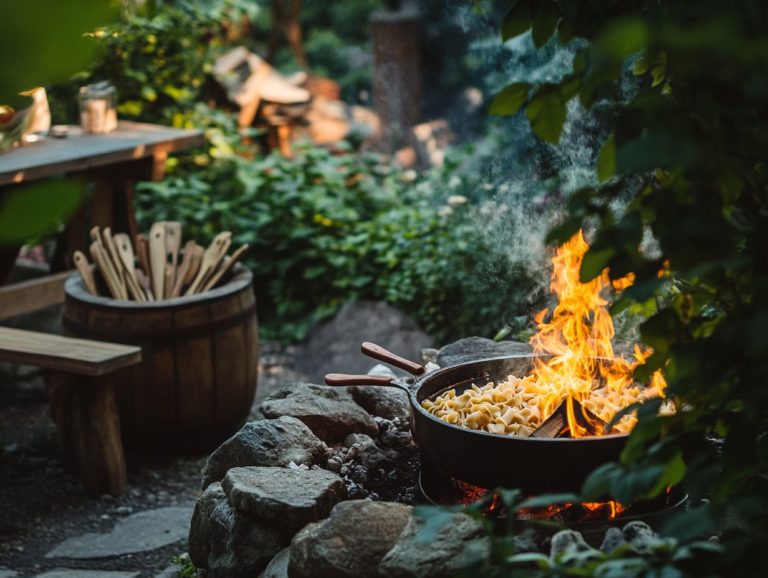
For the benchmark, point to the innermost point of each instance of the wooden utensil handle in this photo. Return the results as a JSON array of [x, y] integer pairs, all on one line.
[[345, 379], [378, 352]]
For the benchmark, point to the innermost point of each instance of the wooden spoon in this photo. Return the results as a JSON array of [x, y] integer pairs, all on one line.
[[157, 258], [225, 268], [86, 273], [211, 259]]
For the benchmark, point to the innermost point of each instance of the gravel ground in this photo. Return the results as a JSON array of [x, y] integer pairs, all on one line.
[[41, 502]]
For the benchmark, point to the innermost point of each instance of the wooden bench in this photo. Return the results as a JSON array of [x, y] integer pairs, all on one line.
[[79, 381]]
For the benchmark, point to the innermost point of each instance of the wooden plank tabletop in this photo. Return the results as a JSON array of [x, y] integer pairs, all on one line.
[[78, 151], [67, 354]]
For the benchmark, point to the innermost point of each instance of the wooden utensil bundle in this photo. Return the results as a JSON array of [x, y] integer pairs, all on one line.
[[161, 272]]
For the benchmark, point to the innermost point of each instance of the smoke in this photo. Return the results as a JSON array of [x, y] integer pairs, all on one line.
[[518, 185]]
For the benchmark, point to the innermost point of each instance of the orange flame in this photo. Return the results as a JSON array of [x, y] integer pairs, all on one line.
[[578, 338]]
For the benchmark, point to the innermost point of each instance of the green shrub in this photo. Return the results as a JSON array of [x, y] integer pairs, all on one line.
[[325, 229]]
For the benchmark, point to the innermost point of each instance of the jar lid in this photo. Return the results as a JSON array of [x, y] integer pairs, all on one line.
[[97, 90]]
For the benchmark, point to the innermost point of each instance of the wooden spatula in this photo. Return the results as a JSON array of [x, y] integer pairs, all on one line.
[[211, 259], [181, 272], [99, 256], [194, 266], [127, 261], [107, 268], [117, 262], [157, 258], [225, 268], [143, 280], [142, 252], [82, 264], [172, 245]]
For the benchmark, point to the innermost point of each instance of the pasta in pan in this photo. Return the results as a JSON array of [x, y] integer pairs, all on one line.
[[518, 406], [511, 407]]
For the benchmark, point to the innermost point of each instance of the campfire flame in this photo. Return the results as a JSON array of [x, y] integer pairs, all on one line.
[[578, 336]]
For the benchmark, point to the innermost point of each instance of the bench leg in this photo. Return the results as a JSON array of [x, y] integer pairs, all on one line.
[[89, 429]]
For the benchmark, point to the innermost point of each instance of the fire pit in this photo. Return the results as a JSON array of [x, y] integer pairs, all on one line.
[[540, 422], [284, 472]]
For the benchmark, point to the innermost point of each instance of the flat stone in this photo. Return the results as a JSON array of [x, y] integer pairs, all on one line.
[[350, 543], [278, 567], [286, 497], [475, 348], [67, 573], [142, 532], [268, 442], [457, 544], [329, 412], [334, 346], [228, 543]]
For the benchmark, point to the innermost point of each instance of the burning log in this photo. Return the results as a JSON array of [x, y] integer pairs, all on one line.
[[556, 425]]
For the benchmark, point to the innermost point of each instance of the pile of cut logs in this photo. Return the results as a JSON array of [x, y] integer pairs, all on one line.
[[161, 273]]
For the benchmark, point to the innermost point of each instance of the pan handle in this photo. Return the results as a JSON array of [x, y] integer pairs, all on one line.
[[378, 352], [345, 379]]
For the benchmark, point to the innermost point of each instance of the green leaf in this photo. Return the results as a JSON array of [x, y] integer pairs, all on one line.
[[549, 499], [510, 99], [546, 113], [673, 475], [544, 23], [564, 231], [517, 20], [43, 41], [38, 209], [598, 485], [594, 262], [692, 523], [606, 160]]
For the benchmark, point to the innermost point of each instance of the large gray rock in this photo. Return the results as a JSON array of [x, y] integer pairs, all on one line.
[[382, 401], [334, 346], [286, 497], [474, 348], [329, 412], [350, 543], [271, 442], [229, 543], [142, 532], [278, 567], [570, 544], [459, 543]]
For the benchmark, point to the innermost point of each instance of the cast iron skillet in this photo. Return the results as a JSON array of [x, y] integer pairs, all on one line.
[[534, 465]]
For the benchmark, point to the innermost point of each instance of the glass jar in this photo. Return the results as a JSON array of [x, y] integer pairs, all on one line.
[[98, 113]]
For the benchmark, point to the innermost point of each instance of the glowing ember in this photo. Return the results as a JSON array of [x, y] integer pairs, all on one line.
[[578, 336]]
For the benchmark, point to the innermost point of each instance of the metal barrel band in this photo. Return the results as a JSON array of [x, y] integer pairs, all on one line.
[[160, 335]]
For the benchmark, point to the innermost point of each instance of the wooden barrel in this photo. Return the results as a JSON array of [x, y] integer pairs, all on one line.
[[197, 379]]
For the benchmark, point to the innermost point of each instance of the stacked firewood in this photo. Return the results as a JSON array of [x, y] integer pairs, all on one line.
[[163, 272]]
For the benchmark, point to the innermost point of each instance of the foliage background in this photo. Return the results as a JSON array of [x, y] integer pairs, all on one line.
[[679, 93]]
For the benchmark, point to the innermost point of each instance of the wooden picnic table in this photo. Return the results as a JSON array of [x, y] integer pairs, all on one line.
[[114, 162]]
